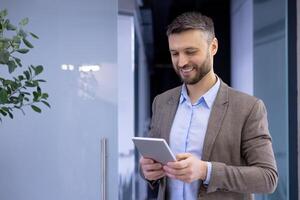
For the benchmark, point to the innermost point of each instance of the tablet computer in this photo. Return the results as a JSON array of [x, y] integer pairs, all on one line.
[[154, 148]]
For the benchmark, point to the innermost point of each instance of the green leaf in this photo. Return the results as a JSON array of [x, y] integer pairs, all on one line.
[[10, 115], [36, 96], [45, 96], [46, 103], [36, 83], [16, 41], [5, 109], [3, 96], [41, 80], [39, 91], [14, 85], [24, 22], [18, 61], [1, 45], [29, 84], [11, 66], [11, 27], [22, 33], [30, 69], [27, 43], [38, 69], [5, 43], [27, 75], [3, 13], [15, 100], [8, 91], [23, 51], [7, 82], [6, 22], [3, 39], [25, 93], [4, 57], [21, 77], [33, 35], [36, 109], [3, 112]]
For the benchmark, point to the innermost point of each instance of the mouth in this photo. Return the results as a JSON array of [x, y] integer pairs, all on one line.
[[186, 70]]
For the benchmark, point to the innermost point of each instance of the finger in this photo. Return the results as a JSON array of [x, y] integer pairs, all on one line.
[[152, 167], [175, 172], [154, 175], [170, 175], [160, 175], [187, 178], [146, 161], [182, 156], [178, 164]]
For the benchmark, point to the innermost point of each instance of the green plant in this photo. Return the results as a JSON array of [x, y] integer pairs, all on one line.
[[21, 90]]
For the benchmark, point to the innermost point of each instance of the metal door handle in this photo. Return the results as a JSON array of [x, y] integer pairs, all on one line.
[[103, 167]]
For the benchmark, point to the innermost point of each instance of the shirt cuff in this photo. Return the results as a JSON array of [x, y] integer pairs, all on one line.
[[208, 174]]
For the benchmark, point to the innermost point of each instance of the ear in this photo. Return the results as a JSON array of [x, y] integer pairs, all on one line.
[[214, 46]]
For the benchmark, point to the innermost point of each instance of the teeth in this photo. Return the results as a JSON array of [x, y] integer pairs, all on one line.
[[188, 69]]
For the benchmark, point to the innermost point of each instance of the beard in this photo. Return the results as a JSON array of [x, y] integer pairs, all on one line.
[[201, 71]]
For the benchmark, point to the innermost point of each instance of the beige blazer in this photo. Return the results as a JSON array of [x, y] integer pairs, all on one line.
[[237, 142]]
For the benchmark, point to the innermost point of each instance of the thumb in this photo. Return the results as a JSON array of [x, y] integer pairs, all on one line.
[[182, 156]]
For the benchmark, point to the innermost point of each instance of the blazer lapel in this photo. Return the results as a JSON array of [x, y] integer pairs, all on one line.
[[215, 120], [170, 110]]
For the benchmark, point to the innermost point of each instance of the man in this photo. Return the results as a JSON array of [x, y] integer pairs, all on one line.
[[220, 136]]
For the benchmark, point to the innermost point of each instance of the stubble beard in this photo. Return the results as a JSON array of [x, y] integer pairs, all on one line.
[[201, 71]]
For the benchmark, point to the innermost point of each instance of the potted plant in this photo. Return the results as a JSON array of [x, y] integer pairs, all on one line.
[[22, 89]]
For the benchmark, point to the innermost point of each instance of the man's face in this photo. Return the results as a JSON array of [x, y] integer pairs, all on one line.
[[192, 55]]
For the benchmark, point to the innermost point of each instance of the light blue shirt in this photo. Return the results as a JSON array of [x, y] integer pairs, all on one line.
[[187, 135]]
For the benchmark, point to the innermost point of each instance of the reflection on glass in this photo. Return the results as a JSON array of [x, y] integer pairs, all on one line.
[[67, 67], [87, 68], [81, 68], [270, 47]]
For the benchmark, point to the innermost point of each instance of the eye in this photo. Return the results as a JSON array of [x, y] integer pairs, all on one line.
[[190, 52], [174, 54]]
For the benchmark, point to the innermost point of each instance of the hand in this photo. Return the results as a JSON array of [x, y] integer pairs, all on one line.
[[152, 170], [187, 168]]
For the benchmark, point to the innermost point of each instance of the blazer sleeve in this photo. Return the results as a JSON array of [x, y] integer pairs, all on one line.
[[259, 175], [155, 183]]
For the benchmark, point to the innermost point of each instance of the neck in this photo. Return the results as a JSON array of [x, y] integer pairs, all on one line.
[[195, 91]]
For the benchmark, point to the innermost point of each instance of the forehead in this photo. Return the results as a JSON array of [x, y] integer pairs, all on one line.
[[188, 39]]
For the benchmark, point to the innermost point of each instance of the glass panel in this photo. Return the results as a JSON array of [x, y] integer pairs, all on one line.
[[270, 80], [126, 106], [56, 154]]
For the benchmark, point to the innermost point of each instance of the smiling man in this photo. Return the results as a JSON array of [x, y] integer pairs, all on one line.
[[220, 136]]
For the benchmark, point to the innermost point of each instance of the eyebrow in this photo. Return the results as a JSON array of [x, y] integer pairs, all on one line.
[[192, 48], [189, 48]]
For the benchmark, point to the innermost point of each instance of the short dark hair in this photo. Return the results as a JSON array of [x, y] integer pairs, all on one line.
[[190, 21]]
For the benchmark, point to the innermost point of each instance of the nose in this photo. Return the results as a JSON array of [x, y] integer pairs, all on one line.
[[182, 60]]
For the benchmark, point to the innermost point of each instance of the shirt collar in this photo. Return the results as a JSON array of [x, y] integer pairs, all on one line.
[[208, 97]]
